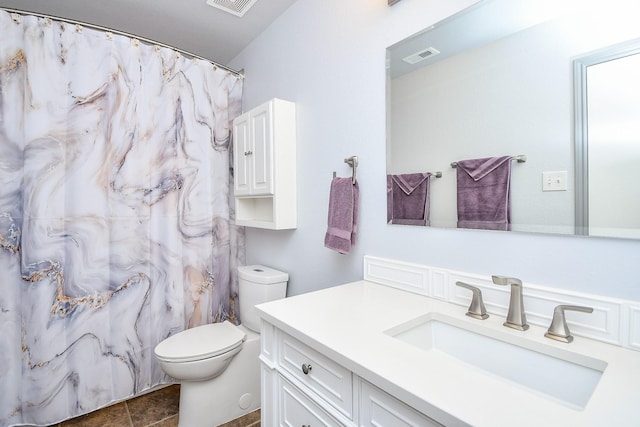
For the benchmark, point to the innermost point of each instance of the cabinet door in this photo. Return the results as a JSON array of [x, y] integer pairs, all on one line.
[[241, 155], [261, 159], [298, 410], [379, 409]]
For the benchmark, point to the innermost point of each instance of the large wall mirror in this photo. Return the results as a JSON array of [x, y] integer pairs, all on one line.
[[535, 78]]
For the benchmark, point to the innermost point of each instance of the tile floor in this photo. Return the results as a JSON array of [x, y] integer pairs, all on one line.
[[156, 409]]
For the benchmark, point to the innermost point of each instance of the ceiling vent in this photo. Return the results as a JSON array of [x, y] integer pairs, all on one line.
[[234, 7], [421, 56]]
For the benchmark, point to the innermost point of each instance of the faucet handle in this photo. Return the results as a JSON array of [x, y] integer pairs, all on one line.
[[558, 330], [476, 308]]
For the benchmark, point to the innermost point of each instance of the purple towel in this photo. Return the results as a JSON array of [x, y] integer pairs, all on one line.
[[410, 199], [389, 199], [483, 193], [343, 215]]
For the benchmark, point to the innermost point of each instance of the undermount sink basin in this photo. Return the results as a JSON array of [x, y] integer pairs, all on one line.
[[562, 375]]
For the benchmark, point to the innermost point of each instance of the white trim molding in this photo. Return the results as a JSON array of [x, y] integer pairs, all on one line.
[[613, 321]]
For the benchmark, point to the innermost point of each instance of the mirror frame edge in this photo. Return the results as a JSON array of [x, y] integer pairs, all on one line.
[[581, 127]]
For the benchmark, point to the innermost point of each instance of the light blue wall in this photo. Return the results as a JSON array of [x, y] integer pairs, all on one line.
[[328, 56]]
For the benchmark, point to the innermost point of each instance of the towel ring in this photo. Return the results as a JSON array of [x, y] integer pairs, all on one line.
[[353, 162]]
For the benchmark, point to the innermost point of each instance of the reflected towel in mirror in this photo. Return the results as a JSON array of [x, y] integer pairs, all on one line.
[[409, 198], [484, 193]]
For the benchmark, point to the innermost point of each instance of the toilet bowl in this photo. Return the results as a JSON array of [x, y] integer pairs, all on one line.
[[217, 364]]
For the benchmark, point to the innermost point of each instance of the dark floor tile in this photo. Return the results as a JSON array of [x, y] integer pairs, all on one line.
[[153, 407], [156, 409], [250, 420], [111, 416], [169, 422]]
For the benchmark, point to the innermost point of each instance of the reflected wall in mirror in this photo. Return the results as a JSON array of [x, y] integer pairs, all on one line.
[[608, 142], [498, 80]]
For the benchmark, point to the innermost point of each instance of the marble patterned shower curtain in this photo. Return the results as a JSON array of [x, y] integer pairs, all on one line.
[[114, 213]]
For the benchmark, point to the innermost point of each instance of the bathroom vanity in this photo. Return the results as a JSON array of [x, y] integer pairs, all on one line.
[[367, 354], [304, 387]]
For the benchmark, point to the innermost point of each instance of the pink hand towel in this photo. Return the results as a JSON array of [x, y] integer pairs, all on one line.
[[343, 215]]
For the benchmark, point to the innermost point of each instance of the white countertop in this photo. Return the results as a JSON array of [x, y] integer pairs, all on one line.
[[347, 324]]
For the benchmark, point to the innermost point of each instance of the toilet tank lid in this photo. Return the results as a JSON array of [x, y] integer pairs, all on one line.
[[261, 274]]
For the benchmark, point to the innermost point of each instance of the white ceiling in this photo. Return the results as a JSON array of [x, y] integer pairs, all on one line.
[[485, 21], [190, 25]]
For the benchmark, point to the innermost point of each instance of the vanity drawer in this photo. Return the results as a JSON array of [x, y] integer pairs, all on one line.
[[330, 381], [379, 409], [296, 409]]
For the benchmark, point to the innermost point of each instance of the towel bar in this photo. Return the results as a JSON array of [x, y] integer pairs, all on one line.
[[435, 174], [520, 159]]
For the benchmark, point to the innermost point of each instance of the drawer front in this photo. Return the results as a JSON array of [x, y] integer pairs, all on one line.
[[323, 376], [379, 409], [296, 409]]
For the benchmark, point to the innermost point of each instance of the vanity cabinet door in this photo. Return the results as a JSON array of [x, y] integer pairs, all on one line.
[[297, 410], [379, 409]]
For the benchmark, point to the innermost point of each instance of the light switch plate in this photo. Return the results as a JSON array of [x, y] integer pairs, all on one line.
[[554, 181]]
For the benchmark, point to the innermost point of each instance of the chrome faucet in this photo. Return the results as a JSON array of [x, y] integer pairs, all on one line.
[[476, 308], [515, 316], [558, 330]]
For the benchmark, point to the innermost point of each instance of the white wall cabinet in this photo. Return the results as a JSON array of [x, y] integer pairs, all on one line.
[[264, 165], [303, 387]]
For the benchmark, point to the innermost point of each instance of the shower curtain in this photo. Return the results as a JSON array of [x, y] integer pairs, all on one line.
[[115, 227]]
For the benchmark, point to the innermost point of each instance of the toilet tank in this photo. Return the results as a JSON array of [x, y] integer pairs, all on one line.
[[258, 284]]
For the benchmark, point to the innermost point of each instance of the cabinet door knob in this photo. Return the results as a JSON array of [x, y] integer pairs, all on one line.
[[306, 368], [248, 153]]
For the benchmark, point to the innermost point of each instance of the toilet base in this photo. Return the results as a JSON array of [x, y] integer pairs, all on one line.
[[232, 394]]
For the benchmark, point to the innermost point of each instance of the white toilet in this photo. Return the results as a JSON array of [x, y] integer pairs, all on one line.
[[217, 364]]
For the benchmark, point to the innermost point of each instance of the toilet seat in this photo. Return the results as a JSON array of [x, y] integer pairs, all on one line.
[[201, 342]]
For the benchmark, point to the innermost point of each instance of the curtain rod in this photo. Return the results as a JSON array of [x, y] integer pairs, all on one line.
[[240, 73]]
